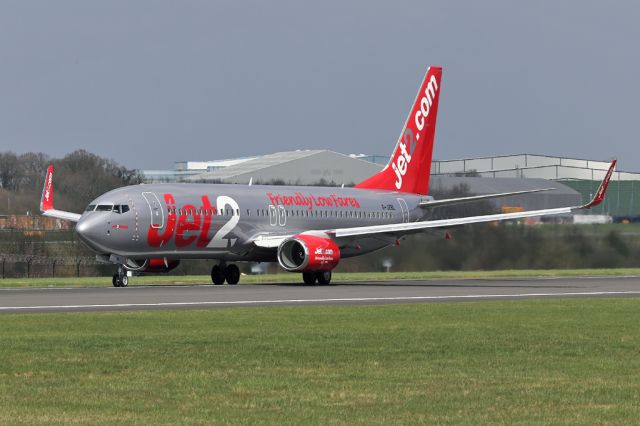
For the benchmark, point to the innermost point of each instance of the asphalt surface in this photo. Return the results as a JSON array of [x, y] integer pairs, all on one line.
[[209, 296]]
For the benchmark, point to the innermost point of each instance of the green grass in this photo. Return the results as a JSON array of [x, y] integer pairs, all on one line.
[[571, 361], [337, 277]]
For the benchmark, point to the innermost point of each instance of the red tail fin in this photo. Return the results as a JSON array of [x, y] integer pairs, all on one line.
[[410, 164], [46, 202]]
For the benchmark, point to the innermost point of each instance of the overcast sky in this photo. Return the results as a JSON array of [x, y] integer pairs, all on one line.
[[151, 82]]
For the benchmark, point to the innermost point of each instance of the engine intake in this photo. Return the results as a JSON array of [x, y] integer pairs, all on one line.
[[308, 253]]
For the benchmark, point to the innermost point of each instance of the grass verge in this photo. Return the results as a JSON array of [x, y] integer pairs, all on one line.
[[536, 361], [337, 277]]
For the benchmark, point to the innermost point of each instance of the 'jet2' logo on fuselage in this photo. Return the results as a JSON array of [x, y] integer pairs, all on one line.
[[194, 226], [403, 159]]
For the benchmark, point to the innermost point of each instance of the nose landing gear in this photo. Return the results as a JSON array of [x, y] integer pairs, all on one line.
[[221, 273], [120, 278]]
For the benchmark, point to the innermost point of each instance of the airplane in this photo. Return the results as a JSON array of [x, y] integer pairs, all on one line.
[[150, 228]]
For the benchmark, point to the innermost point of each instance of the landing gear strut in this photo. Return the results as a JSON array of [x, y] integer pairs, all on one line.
[[120, 278], [221, 273]]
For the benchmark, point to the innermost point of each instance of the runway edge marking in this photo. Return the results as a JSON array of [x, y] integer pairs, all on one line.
[[287, 301]]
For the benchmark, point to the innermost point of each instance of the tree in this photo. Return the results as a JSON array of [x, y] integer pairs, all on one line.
[[8, 170]]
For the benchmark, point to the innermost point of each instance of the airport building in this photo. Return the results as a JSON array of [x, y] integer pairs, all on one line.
[[583, 176], [575, 180]]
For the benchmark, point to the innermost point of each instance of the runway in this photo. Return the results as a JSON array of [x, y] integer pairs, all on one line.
[[209, 296]]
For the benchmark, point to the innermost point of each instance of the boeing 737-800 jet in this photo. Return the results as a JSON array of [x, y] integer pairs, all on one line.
[[150, 228]]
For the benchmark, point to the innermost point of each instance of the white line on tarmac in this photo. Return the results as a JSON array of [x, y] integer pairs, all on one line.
[[298, 301]]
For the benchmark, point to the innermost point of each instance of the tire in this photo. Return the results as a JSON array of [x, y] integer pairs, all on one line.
[[115, 281], [124, 281], [324, 277], [232, 274], [217, 277], [309, 278]]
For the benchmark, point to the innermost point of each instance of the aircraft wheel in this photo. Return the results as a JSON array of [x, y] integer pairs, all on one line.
[[324, 277], [115, 281], [124, 281], [232, 274], [216, 275], [309, 278]]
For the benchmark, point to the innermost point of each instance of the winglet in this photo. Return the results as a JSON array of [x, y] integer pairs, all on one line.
[[602, 189], [46, 202]]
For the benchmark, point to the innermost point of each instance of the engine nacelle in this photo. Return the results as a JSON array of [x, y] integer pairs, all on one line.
[[304, 252], [154, 265]]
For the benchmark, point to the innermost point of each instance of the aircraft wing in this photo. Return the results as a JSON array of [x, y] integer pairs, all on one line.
[[272, 241], [46, 202], [461, 200], [445, 223]]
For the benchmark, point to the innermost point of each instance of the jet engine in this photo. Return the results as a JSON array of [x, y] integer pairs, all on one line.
[[304, 252], [154, 265]]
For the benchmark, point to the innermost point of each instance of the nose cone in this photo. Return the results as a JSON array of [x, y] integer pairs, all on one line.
[[89, 229]]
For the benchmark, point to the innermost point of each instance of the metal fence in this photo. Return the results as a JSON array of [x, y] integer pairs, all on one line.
[[27, 266]]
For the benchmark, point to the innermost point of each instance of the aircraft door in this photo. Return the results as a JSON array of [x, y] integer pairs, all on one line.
[[273, 216], [135, 236], [405, 210], [282, 217], [155, 208]]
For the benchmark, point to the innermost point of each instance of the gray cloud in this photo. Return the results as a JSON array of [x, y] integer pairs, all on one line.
[[150, 82]]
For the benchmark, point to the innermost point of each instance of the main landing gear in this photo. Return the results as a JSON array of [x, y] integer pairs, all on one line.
[[322, 277], [120, 278], [221, 273]]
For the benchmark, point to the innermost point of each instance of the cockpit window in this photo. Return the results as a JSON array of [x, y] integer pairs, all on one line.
[[104, 207], [120, 208], [90, 208]]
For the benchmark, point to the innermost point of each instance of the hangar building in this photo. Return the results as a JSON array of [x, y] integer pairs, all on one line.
[[304, 167], [584, 176], [575, 180], [313, 167]]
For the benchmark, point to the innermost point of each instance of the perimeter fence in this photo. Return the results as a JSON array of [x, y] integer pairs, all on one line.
[[28, 266]]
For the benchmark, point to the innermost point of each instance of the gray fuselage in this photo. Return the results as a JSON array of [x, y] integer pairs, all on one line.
[[207, 221]]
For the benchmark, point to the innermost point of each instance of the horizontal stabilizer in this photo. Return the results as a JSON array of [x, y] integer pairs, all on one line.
[[46, 201]]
